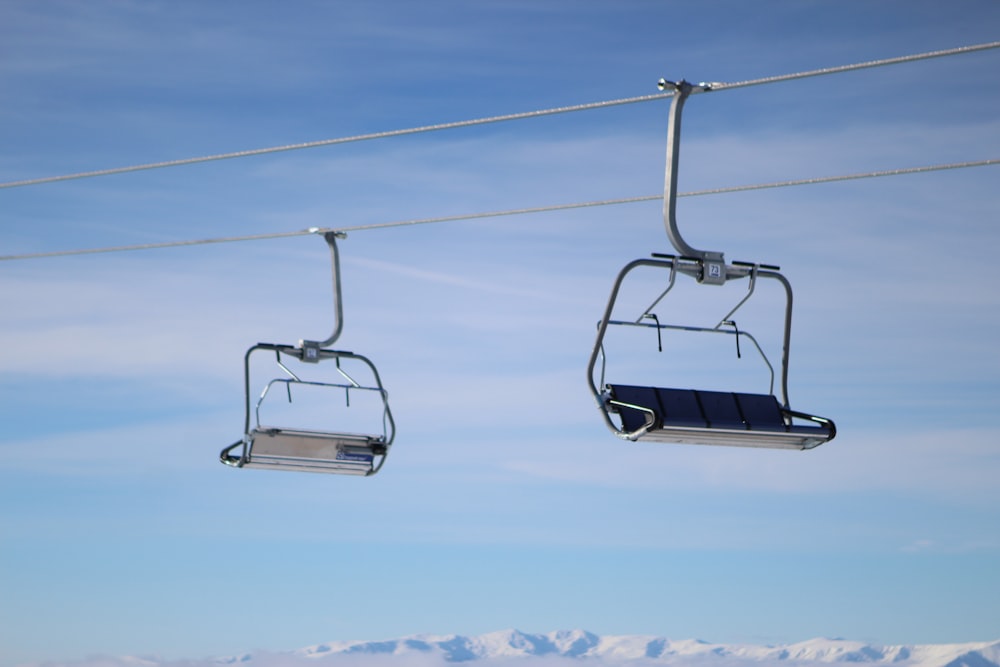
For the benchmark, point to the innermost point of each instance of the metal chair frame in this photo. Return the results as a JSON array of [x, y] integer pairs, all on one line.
[[309, 450], [726, 418], [306, 450]]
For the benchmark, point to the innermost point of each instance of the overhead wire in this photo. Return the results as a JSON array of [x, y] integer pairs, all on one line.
[[645, 198], [859, 66], [502, 213], [338, 140], [496, 119]]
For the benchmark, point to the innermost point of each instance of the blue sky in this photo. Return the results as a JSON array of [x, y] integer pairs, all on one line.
[[505, 501]]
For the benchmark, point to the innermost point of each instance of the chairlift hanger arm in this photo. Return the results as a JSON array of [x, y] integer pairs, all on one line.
[[312, 347], [681, 90], [710, 267]]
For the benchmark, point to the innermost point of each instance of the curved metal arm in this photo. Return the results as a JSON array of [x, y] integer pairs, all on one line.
[[234, 461], [338, 309], [682, 89]]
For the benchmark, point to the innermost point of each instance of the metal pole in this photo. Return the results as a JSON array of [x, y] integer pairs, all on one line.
[[714, 266], [310, 347]]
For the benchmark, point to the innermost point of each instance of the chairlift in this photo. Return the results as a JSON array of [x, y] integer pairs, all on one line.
[[693, 416], [326, 450]]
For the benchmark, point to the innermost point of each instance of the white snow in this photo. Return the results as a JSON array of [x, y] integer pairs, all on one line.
[[566, 646], [504, 645]]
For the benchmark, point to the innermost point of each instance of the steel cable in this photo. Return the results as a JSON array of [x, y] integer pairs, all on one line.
[[494, 119], [508, 212]]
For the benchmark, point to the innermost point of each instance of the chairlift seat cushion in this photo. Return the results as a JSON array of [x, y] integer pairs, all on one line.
[[761, 412], [633, 419], [710, 417], [720, 410], [679, 407]]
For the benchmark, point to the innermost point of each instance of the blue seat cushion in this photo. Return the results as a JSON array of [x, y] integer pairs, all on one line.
[[633, 419], [680, 407], [699, 409], [721, 410], [761, 412]]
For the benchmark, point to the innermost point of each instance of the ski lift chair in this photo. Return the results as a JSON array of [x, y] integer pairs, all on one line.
[[696, 416], [693, 416], [285, 448], [306, 449]]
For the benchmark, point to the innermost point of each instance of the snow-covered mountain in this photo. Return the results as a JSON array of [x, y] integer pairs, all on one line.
[[650, 651], [577, 648]]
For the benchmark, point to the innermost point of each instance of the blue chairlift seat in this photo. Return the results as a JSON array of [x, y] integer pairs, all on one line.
[[695, 416], [714, 418], [688, 415]]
